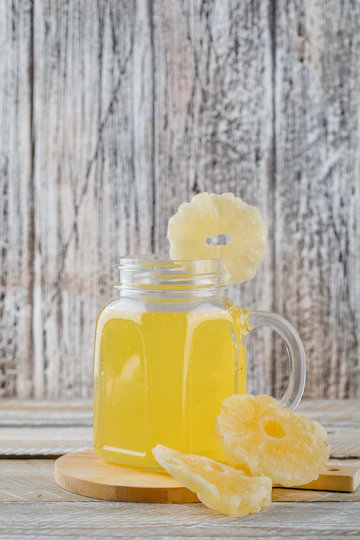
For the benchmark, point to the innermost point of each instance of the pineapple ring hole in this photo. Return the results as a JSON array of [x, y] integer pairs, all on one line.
[[273, 429], [219, 240]]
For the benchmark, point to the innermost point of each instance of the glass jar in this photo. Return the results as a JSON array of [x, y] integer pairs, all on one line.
[[168, 351]]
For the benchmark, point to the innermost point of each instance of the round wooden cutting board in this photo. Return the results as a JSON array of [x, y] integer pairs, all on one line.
[[85, 473]]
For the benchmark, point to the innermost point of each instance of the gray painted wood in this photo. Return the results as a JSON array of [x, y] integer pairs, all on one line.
[[212, 125], [32, 480], [30, 412], [317, 186], [91, 519], [17, 239], [92, 126], [53, 428], [114, 114], [33, 506]]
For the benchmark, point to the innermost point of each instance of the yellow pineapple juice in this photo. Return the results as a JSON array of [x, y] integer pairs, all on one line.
[[161, 376]]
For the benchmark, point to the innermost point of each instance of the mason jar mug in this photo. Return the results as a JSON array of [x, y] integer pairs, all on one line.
[[168, 351]]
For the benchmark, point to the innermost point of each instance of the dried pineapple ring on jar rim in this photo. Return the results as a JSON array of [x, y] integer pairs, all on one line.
[[210, 215], [262, 435], [218, 486]]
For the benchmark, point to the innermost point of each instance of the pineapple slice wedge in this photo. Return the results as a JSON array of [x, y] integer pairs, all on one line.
[[219, 487], [260, 434], [209, 215]]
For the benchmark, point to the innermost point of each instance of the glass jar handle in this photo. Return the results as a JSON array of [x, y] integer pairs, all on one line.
[[295, 351]]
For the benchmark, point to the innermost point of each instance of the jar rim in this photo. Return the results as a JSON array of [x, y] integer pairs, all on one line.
[[163, 259], [155, 272]]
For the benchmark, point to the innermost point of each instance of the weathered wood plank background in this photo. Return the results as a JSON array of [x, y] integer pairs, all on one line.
[[113, 112]]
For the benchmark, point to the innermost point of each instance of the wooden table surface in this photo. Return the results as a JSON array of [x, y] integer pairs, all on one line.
[[32, 506]]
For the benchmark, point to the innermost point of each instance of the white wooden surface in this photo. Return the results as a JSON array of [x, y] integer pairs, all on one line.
[[114, 113], [32, 506], [32, 480], [27, 427], [16, 200], [126, 520], [317, 184]]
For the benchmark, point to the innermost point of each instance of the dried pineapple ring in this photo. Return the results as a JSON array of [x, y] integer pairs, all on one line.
[[218, 486], [261, 434], [209, 215]]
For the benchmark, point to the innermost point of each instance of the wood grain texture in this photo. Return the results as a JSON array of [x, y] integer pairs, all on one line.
[[32, 506], [85, 473], [114, 113], [92, 117], [212, 125], [53, 428], [46, 413], [32, 480], [42, 441], [343, 478], [16, 197], [339, 412], [317, 235], [88, 520], [330, 412]]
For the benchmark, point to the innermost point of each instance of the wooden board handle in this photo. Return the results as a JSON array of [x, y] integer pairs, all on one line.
[[335, 478]]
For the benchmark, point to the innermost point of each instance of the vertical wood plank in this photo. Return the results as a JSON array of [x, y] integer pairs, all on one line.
[[93, 189], [114, 113], [213, 124], [317, 188], [16, 198]]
